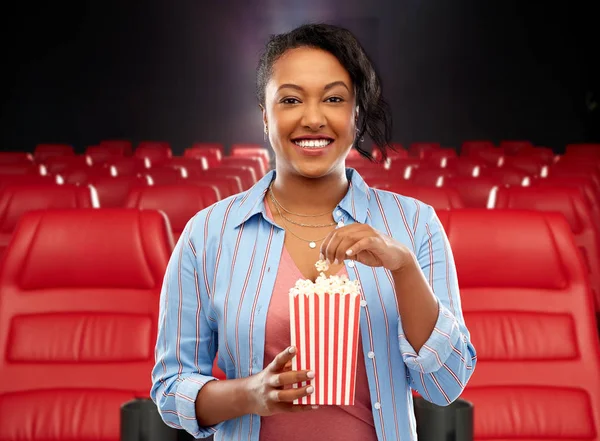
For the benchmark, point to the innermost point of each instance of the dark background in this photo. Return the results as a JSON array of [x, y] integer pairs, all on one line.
[[183, 71]]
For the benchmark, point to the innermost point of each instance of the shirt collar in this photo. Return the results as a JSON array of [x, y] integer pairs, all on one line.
[[354, 202]]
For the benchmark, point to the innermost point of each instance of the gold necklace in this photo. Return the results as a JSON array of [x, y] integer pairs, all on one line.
[[291, 221], [291, 212], [311, 243]]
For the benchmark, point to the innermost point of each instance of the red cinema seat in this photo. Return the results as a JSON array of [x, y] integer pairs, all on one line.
[[418, 149], [471, 148], [119, 147], [228, 178], [427, 176], [166, 175], [79, 296], [254, 163], [83, 175], [571, 203], [44, 151], [101, 154], [246, 174], [193, 166], [23, 169], [113, 190], [474, 192], [252, 151], [15, 201], [439, 198], [544, 155], [400, 166], [527, 303], [439, 156], [530, 165], [179, 202], [396, 152], [130, 166], [20, 180], [155, 151], [207, 145], [58, 164], [584, 150], [506, 175], [463, 166], [213, 155], [8, 158], [513, 147]]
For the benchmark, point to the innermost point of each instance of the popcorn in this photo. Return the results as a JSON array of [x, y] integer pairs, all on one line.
[[321, 265], [324, 328]]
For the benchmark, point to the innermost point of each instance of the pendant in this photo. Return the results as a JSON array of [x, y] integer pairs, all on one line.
[[312, 245]]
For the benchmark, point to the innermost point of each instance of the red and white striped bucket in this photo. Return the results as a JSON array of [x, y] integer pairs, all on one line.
[[325, 331]]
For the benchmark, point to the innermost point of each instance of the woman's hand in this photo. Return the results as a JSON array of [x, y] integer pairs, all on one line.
[[364, 244], [270, 390]]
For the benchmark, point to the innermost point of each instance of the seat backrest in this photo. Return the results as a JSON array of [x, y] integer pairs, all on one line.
[[113, 190], [506, 175], [119, 147], [212, 154], [179, 202], [418, 149], [587, 150], [45, 151], [427, 176], [252, 151], [20, 180], [57, 164], [79, 297], [130, 165], [513, 147], [230, 179], [571, 203], [254, 163], [23, 169], [207, 145], [166, 175], [470, 148], [83, 175], [474, 192], [15, 158], [440, 198], [101, 154], [527, 303], [155, 151], [193, 166], [531, 165], [246, 174]]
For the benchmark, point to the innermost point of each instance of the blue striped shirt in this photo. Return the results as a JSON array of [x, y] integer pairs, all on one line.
[[217, 290]]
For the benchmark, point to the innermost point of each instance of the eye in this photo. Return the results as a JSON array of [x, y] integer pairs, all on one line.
[[290, 101], [334, 99]]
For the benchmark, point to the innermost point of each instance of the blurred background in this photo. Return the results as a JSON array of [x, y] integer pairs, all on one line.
[[120, 120]]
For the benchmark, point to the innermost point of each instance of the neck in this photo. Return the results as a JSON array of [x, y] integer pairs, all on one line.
[[310, 195]]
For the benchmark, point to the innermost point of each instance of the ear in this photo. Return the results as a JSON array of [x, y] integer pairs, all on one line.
[[264, 115]]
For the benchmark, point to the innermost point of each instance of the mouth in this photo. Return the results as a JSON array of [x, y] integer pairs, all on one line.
[[312, 143]]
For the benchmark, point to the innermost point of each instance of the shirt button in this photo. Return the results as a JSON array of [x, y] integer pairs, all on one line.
[[351, 264], [377, 405], [371, 354], [363, 303], [338, 213], [340, 224]]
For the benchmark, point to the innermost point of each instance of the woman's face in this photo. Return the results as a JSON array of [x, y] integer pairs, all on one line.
[[310, 112]]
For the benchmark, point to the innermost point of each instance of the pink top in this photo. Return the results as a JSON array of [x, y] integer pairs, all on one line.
[[331, 423]]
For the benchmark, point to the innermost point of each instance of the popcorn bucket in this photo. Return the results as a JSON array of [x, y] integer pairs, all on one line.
[[324, 329]]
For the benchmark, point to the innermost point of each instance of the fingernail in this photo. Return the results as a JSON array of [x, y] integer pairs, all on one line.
[[292, 350], [315, 407], [310, 390], [335, 262], [321, 257], [327, 262], [349, 253], [310, 374]]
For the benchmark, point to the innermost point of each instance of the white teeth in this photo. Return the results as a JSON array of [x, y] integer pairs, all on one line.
[[313, 143]]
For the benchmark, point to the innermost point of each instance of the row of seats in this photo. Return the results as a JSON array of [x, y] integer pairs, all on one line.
[[77, 344]]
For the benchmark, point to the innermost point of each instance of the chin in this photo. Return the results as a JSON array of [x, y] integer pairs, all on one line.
[[317, 169]]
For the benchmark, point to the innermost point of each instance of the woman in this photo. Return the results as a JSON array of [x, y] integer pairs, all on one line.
[[227, 283]]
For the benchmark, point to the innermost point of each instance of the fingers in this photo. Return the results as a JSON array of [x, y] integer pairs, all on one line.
[[282, 359], [290, 395], [291, 377], [363, 244]]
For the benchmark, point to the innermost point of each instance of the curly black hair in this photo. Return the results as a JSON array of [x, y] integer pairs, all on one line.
[[374, 112]]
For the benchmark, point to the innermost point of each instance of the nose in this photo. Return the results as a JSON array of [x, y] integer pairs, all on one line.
[[313, 117]]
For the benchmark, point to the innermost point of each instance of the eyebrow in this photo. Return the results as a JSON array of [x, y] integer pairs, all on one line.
[[327, 86]]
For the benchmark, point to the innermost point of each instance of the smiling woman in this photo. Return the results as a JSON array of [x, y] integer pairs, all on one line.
[[227, 284]]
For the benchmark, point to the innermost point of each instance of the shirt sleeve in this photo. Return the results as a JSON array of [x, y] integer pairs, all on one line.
[[444, 364], [185, 347]]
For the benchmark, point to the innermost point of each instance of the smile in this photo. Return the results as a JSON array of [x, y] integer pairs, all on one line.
[[313, 143]]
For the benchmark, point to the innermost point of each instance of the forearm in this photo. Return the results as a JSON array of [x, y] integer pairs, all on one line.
[[417, 304], [220, 401]]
